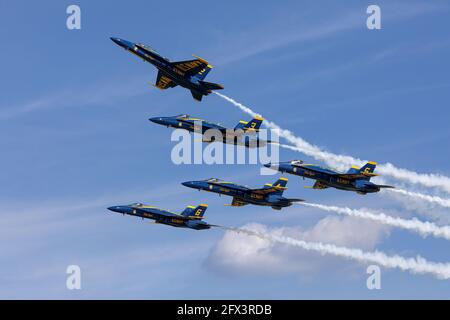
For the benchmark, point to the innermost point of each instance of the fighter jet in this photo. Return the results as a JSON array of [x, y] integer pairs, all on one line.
[[189, 74], [240, 135], [355, 179], [191, 217], [270, 195]]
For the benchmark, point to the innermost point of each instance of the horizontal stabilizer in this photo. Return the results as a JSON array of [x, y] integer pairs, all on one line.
[[211, 85], [197, 96]]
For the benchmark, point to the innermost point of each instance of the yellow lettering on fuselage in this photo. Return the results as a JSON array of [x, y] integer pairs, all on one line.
[[309, 173], [342, 181]]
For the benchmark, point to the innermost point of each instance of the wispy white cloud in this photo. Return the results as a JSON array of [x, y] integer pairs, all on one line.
[[47, 220], [253, 41], [98, 93], [50, 235], [423, 228], [422, 204], [239, 253], [416, 265]]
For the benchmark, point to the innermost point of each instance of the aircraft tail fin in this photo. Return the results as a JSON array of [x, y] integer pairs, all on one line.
[[195, 212], [211, 85], [281, 183], [278, 186], [252, 125], [368, 169], [353, 170], [204, 72]]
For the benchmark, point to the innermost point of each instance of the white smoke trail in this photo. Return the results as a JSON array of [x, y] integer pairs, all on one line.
[[416, 195], [341, 164], [416, 265], [341, 161], [415, 225], [420, 196]]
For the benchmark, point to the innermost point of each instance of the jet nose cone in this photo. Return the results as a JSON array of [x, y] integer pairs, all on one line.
[[271, 165], [123, 43], [158, 120], [114, 209], [116, 41], [190, 184]]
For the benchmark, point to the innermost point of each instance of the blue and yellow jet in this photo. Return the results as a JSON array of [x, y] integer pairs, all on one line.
[[189, 74], [240, 135], [191, 217], [355, 179], [270, 195]]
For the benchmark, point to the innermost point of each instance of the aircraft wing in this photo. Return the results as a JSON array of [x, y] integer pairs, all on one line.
[[190, 67], [163, 82], [157, 214], [319, 185], [237, 203]]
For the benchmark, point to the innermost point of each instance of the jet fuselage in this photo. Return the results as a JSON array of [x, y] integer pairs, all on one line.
[[160, 216], [228, 135], [242, 194], [325, 176], [163, 65]]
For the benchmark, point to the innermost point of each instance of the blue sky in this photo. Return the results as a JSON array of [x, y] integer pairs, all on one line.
[[75, 139]]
